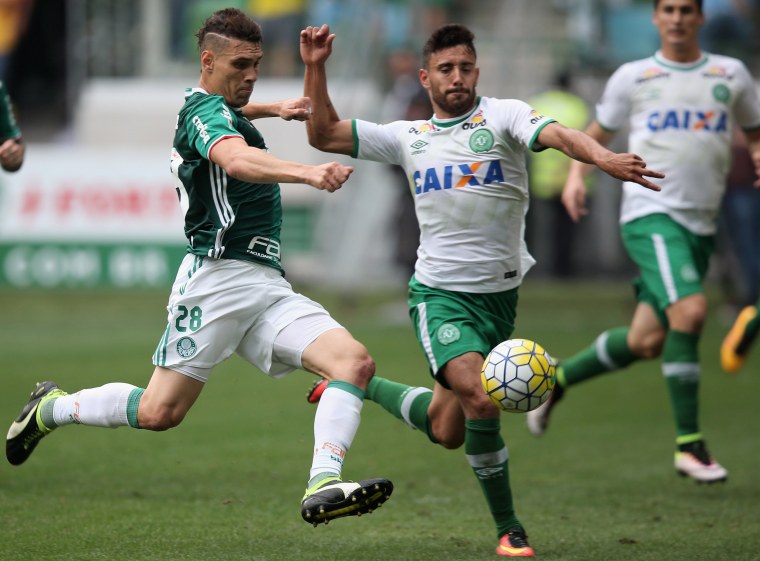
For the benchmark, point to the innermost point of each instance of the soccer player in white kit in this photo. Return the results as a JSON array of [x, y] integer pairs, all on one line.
[[680, 104], [230, 294], [467, 173]]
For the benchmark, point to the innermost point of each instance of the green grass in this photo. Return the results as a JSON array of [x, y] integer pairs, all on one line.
[[226, 484]]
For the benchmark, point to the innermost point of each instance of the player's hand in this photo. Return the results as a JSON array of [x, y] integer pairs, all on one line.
[[329, 177], [298, 108], [316, 44], [11, 155], [574, 199], [631, 167]]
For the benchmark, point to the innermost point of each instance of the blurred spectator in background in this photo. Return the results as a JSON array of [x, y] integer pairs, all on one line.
[[281, 22], [11, 146], [408, 100], [730, 28], [551, 233], [740, 224], [14, 15]]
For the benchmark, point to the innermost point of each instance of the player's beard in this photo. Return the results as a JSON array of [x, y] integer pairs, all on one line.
[[455, 105]]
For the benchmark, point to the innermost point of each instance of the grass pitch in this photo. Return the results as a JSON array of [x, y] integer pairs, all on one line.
[[226, 484]]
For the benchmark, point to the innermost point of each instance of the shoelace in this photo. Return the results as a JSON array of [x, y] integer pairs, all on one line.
[[700, 453], [32, 438], [518, 539]]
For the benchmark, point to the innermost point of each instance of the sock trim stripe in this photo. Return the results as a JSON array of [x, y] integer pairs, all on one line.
[[688, 371], [488, 459], [689, 438], [133, 401], [407, 400], [356, 391], [425, 337], [601, 351]]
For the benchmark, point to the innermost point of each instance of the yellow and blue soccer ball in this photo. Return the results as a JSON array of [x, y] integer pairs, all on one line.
[[518, 375]]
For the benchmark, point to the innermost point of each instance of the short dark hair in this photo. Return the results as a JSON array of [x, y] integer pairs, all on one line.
[[231, 23], [446, 36], [697, 2]]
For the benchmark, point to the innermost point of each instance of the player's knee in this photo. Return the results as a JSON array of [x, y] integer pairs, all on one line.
[[649, 348], [161, 419], [360, 366], [365, 369], [476, 404], [688, 315], [449, 440], [647, 345]]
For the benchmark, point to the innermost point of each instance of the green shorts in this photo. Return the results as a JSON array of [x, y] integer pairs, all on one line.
[[672, 261], [449, 324]]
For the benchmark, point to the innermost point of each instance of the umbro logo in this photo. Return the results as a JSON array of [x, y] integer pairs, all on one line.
[[418, 144], [489, 472]]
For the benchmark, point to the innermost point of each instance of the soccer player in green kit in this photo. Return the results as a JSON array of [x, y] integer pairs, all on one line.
[[681, 105], [11, 144], [230, 295], [467, 173]]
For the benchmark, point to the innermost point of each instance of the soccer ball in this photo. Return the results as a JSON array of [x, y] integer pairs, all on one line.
[[518, 375]]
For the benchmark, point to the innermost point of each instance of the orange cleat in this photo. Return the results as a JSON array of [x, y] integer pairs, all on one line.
[[736, 344], [514, 544]]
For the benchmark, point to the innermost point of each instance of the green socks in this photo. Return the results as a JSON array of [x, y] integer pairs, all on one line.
[[608, 353], [680, 366], [488, 457], [408, 403]]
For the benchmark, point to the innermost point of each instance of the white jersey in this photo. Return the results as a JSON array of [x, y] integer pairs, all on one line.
[[680, 118], [469, 181]]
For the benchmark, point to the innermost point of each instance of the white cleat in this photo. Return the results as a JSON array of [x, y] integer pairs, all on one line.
[[538, 419], [689, 465]]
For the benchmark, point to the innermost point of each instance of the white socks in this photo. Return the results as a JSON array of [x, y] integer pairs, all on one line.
[[335, 425], [105, 406]]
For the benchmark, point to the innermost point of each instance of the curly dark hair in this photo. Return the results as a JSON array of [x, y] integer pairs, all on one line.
[[446, 36], [231, 23]]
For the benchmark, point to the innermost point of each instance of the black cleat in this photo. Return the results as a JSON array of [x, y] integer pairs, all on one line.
[[332, 498], [27, 430]]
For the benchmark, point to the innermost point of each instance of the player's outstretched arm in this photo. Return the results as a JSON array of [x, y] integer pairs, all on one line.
[[298, 108], [256, 166], [582, 147], [326, 130]]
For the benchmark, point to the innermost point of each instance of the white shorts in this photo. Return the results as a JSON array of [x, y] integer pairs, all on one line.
[[222, 306]]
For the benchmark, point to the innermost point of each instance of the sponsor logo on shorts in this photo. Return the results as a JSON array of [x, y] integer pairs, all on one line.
[[186, 347], [689, 273], [448, 333]]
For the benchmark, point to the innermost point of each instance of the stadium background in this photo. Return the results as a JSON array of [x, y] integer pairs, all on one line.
[[97, 84], [90, 238]]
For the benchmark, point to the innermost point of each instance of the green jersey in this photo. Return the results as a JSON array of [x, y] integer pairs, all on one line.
[[8, 126], [225, 218]]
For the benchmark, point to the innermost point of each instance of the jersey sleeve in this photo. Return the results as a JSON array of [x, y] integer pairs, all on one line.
[[747, 108], [8, 126], [208, 122], [379, 143], [520, 121], [614, 106]]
